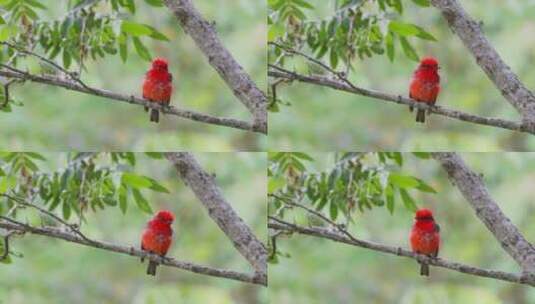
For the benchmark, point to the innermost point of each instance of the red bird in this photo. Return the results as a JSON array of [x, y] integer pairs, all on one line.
[[157, 237], [425, 85], [425, 237], [157, 86]]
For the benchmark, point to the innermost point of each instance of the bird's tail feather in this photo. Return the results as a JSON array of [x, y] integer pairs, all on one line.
[[420, 116], [151, 270], [424, 269], [154, 115]]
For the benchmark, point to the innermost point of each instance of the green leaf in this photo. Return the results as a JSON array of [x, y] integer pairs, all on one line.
[[333, 58], [66, 210], [154, 155], [55, 203], [2, 21], [141, 202], [156, 3], [123, 46], [423, 186], [422, 155], [130, 5], [66, 59], [389, 40], [390, 199], [303, 3], [403, 29], [141, 50], [408, 49], [407, 200], [7, 183], [275, 184], [425, 35], [123, 197], [2, 173], [35, 156], [303, 156], [403, 181], [275, 31], [423, 3], [156, 186], [135, 181], [7, 32], [135, 29], [333, 211], [35, 3]]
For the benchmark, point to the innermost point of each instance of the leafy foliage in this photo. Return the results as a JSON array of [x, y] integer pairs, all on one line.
[[356, 29], [89, 181], [89, 29], [356, 182]]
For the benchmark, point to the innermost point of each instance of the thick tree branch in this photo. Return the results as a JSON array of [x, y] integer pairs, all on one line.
[[278, 72], [205, 36], [76, 86], [281, 225], [470, 33], [471, 186], [130, 250], [209, 194]]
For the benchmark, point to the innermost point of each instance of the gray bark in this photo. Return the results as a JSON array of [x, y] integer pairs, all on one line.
[[209, 194], [471, 186], [205, 36], [471, 34]]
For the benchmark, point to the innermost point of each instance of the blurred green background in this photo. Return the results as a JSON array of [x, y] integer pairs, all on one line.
[[328, 120], [322, 271], [55, 271], [55, 119]]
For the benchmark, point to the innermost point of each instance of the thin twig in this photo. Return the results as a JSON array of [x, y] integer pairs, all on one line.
[[132, 251], [438, 262], [187, 114], [278, 72], [46, 212]]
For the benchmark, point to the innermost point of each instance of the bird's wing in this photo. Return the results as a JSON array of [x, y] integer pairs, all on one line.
[[437, 227]]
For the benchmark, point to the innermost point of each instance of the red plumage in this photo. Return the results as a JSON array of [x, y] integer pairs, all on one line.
[[425, 85], [425, 237], [157, 86], [157, 237]]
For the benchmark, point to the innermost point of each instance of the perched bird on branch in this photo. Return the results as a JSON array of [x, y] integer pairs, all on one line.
[[425, 237], [157, 86], [425, 85], [157, 237]]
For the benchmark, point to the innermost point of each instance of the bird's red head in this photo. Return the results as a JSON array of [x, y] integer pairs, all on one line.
[[429, 63], [159, 64], [165, 216], [424, 214]]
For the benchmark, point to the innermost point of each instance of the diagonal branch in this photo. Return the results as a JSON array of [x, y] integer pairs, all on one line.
[[278, 72], [205, 36], [471, 186], [281, 225], [75, 86], [130, 250], [470, 33], [204, 187]]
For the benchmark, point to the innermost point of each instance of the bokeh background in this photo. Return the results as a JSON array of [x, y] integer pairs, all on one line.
[[55, 271], [328, 120], [55, 119], [322, 271]]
